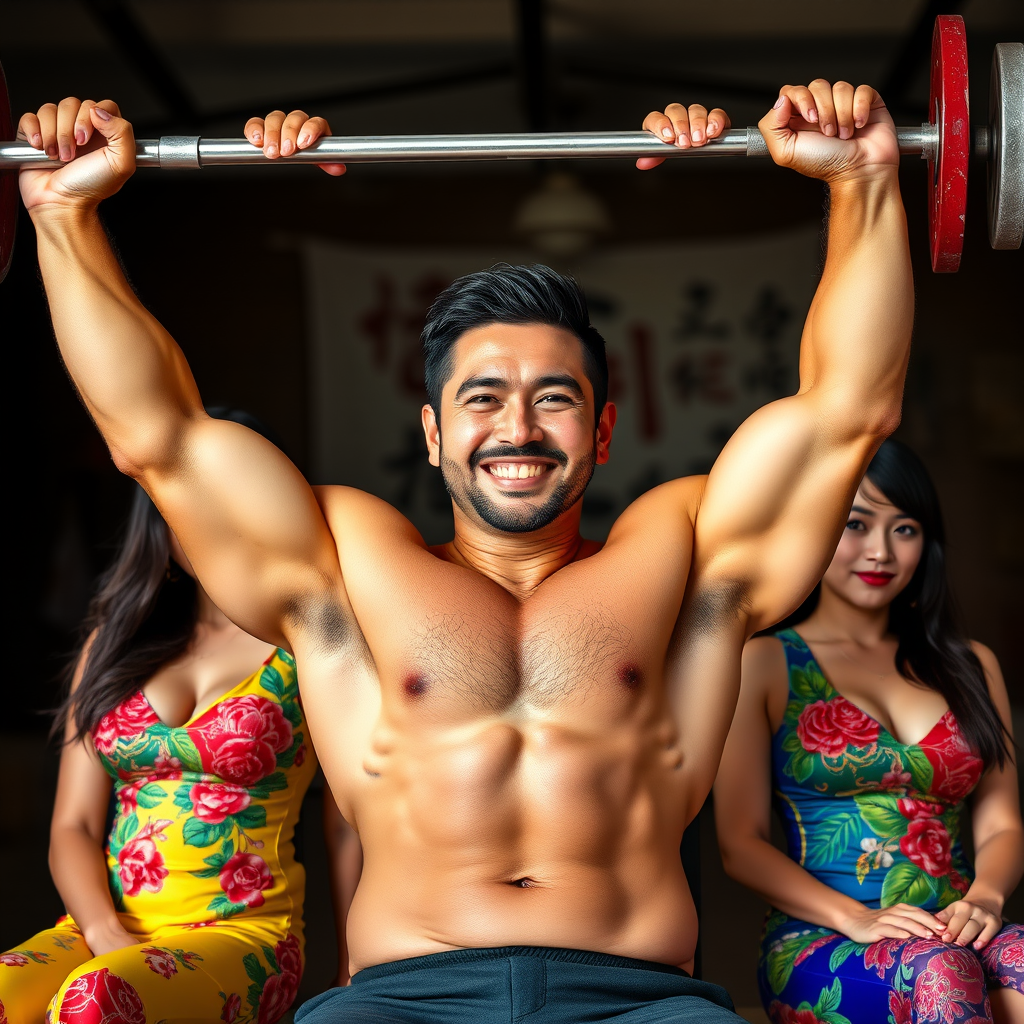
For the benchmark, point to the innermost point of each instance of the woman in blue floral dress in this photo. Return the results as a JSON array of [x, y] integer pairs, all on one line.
[[879, 734]]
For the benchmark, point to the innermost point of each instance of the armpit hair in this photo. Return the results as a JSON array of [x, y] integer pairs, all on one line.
[[710, 608], [324, 620]]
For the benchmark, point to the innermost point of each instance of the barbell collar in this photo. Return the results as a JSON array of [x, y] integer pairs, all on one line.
[[176, 152]]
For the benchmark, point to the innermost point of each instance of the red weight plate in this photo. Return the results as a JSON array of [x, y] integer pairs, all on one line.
[[947, 170], [8, 185]]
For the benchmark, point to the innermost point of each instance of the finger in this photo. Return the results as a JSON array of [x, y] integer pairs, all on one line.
[[842, 97], [803, 102], [891, 931], [680, 119], [67, 112], [272, 134], [29, 130], [988, 933], [120, 150], [698, 117], [865, 99], [290, 131], [971, 930], [315, 128], [822, 93], [955, 925], [83, 123], [921, 915], [253, 131], [718, 121], [648, 163], [659, 124], [334, 170], [908, 924]]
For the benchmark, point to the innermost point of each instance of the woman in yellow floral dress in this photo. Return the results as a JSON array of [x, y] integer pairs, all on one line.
[[190, 906]]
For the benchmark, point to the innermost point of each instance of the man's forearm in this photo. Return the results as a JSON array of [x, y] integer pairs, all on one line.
[[857, 339], [130, 372]]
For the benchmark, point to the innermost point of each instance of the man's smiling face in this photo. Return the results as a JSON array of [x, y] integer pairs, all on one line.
[[517, 444]]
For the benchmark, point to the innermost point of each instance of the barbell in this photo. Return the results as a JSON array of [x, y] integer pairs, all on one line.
[[946, 142]]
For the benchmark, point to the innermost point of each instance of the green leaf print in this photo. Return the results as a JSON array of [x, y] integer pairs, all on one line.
[[830, 998], [920, 768], [182, 798], [271, 959], [843, 951], [829, 839], [800, 765], [201, 833], [286, 759], [290, 709], [262, 789], [254, 969], [780, 958], [271, 681], [126, 828], [252, 817], [223, 907], [181, 746], [252, 995], [906, 883], [791, 744], [808, 684], [879, 810], [150, 795]]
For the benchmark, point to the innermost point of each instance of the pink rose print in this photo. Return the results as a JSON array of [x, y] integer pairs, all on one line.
[[895, 780], [129, 719], [901, 1009], [166, 767], [13, 959], [278, 994], [828, 727], [159, 961], [912, 808], [231, 1005], [881, 955], [812, 948], [780, 1013], [241, 742], [956, 769], [926, 844], [214, 801], [1003, 957], [300, 755], [289, 957], [3, 1014], [128, 796], [244, 878], [140, 863], [947, 988], [100, 997]]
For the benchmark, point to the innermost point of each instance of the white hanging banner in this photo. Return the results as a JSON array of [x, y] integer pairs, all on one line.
[[698, 337]]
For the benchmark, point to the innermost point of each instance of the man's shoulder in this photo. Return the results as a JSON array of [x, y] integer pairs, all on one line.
[[351, 512], [675, 501]]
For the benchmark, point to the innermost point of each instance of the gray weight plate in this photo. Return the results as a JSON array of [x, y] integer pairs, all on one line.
[[1006, 147]]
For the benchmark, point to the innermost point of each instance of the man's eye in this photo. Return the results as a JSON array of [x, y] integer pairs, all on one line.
[[556, 398], [481, 399]]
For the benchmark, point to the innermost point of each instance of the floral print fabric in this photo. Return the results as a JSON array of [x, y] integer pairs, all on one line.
[[879, 821], [201, 867]]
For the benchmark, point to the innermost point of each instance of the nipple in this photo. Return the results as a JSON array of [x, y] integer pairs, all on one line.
[[415, 686], [630, 677]]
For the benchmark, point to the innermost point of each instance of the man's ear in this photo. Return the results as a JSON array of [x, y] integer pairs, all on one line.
[[432, 433], [605, 426]]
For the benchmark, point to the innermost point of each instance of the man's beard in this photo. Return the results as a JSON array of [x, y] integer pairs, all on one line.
[[467, 493]]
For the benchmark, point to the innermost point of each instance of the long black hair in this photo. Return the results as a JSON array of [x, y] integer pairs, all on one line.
[[143, 614], [933, 648]]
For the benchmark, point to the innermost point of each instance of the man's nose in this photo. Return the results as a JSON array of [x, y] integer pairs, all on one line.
[[517, 425]]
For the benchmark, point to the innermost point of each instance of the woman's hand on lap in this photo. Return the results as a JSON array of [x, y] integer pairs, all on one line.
[[971, 922], [901, 921], [107, 938]]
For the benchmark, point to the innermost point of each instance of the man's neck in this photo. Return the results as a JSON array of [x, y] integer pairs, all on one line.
[[519, 562]]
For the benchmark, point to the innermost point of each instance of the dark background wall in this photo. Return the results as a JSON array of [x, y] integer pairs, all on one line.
[[210, 255]]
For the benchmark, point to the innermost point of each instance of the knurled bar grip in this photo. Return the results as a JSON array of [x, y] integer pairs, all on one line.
[[176, 151]]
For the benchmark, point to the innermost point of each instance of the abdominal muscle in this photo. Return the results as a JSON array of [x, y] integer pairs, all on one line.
[[520, 832]]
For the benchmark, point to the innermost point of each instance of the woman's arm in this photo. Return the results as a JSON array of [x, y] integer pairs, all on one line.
[[998, 836], [345, 860], [77, 861], [743, 818]]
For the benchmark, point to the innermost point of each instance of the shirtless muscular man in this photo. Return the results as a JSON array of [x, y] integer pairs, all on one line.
[[521, 722]]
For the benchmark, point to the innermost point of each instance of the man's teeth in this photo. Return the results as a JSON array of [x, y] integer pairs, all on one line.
[[515, 470]]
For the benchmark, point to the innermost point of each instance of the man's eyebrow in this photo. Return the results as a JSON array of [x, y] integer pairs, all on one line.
[[560, 380], [480, 382]]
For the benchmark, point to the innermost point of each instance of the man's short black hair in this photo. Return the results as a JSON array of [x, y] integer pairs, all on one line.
[[510, 295]]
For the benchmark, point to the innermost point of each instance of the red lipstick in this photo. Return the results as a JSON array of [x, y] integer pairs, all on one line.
[[876, 579]]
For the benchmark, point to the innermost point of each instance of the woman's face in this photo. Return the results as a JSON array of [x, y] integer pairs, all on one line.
[[878, 553]]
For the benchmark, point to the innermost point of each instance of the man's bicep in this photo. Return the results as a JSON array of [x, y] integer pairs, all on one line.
[[250, 525], [773, 508]]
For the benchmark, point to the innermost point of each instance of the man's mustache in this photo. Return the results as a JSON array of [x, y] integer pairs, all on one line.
[[533, 450]]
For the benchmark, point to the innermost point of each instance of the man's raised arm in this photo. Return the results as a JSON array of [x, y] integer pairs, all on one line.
[[775, 501], [245, 516]]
